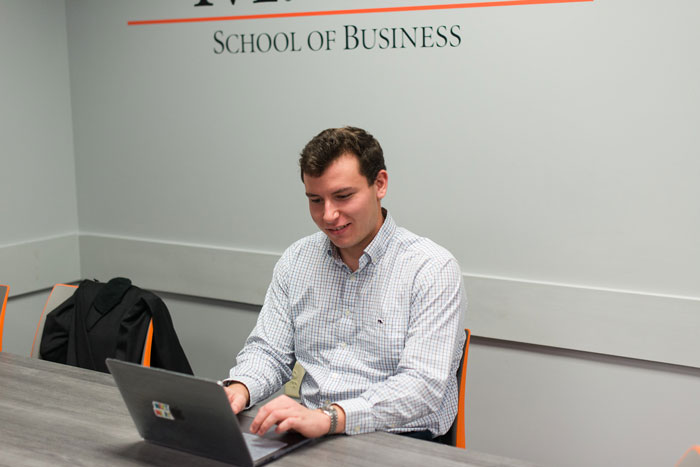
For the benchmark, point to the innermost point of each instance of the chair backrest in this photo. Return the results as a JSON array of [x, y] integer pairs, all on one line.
[[460, 440], [4, 292], [456, 436], [59, 294], [691, 458], [146, 358]]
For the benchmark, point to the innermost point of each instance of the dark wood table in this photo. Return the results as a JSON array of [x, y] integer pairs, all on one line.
[[53, 414]]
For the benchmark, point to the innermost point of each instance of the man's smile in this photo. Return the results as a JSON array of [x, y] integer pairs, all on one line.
[[336, 230]]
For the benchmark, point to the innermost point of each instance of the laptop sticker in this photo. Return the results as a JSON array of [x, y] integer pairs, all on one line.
[[162, 410]]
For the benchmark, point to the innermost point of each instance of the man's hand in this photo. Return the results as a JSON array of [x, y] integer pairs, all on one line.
[[288, 414], [238, 396]]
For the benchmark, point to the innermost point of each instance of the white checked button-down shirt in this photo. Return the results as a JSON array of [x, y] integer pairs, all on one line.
[[383, 342]]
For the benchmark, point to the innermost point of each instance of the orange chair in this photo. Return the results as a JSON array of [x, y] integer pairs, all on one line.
[[59, 294], [4, 292], [691, 458], [455, 436]]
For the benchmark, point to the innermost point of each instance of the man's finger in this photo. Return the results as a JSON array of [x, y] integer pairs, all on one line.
[[259, 418], [274, 404], [273, 418], [237, 403], [286, 425]]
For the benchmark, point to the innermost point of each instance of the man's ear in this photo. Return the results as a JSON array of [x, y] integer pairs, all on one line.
[[381, 183]]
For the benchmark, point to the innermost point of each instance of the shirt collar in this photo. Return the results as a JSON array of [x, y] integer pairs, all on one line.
[[376, 248]]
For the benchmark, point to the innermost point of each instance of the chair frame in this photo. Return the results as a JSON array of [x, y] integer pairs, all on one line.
[[4, 293], [690, 458], [456, 435], [460, 434]]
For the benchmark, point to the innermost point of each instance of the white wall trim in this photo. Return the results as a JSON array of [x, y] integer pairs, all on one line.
[[40, 263], [201, 271], [577, 318], [626, 324]]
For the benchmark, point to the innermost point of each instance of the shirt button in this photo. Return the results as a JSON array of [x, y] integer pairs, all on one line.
[[334, 375], [343, 344], [347, 312], [356, 429], [352, 277]]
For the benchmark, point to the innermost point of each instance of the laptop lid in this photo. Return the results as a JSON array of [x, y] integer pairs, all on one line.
[[193, 414]]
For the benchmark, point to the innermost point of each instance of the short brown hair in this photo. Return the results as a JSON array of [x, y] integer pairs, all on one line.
[[332, 143]]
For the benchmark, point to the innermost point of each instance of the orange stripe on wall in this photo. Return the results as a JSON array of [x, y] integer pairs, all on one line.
[[398, 9]]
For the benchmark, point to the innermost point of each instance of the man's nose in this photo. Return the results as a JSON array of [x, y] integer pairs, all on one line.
[[330, 213]]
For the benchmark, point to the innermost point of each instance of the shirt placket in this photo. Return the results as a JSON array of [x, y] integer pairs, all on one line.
[[344, 325]]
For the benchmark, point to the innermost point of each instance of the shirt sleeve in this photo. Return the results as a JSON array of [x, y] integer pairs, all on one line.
[[266, 360], [432, 351]]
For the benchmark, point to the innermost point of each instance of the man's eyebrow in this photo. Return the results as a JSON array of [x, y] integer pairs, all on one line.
[[336, 192]]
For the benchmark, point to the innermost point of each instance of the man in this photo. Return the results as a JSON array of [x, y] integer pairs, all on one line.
[[371, 311]]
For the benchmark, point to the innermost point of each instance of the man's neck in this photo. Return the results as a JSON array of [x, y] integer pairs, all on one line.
[[351, 259], [351, 256]]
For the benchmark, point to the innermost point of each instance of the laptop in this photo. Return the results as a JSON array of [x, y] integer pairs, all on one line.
[[192, 414]]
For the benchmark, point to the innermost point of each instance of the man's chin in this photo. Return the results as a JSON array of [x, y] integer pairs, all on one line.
[[335, 242], [338, 243]]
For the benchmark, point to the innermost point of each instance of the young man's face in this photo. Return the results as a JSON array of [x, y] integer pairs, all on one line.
[[344, 206]]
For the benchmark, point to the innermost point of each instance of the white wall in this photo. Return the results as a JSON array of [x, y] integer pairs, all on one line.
[[557, 142], [38, 212]]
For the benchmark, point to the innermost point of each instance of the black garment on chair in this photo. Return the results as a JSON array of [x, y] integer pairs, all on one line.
[[111, 320]]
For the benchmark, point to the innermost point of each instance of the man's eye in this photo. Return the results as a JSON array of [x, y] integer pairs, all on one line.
[[314, 200], [344, 196]]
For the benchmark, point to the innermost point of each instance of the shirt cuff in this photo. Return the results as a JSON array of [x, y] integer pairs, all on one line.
[[358, 416]]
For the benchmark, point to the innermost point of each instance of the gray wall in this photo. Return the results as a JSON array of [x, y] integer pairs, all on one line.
[[553, 152], [38, 210]]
